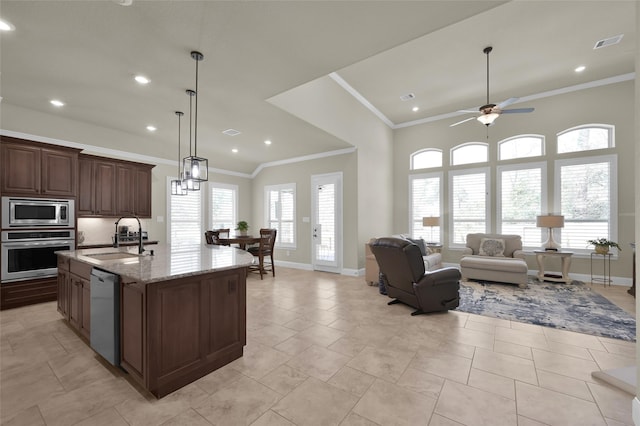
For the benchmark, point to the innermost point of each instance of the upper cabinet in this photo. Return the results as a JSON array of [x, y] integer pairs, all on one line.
[[31, 168], [113, 188]]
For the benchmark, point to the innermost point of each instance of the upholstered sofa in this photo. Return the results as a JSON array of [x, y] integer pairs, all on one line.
[[494, 257], [432, 261]]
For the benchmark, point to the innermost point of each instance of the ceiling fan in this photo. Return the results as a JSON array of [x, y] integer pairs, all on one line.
[[489, 112]]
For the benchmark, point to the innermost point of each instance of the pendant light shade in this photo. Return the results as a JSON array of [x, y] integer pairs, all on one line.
[[176, 184], [195, 168], [187, 181]]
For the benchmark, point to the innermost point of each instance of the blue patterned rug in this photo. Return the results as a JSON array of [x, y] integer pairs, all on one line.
[[573, 307]]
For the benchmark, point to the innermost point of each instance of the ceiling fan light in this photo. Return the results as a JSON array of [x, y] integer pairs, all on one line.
[[488, 119]]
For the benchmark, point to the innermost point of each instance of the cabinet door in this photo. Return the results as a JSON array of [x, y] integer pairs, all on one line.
[[20, 169], [75, 302], [85, 325], [59, 173], [143, 192], [63, 292], [126, 189], [86, 185], [105, 188]]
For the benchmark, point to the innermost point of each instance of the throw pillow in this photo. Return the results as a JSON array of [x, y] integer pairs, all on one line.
[[492, 247], [420, 243]]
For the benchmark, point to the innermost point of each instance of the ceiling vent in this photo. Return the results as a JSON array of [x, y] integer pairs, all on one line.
[[231, 132], [608, 41], [407, 97]]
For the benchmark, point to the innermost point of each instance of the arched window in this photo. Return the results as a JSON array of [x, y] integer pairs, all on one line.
[[585, 138], [521, 146], [426, 159], [470, 152]]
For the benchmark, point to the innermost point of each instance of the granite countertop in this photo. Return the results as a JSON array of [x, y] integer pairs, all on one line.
[[167, 262], [123, 243]]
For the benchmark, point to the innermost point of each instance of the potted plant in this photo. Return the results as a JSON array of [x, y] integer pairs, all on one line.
[[602, 245], [242, 227]]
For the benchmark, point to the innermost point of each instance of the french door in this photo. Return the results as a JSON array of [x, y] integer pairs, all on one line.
[[326, 223]]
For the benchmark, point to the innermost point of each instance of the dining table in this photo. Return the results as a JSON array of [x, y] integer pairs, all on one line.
[[241, 240]]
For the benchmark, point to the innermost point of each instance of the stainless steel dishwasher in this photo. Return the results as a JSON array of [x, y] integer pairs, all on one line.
[[105, 315]]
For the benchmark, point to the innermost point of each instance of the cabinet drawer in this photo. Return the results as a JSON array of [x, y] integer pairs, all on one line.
[[80, 269]]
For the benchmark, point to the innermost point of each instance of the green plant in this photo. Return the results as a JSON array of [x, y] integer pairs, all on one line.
[[242, 226], [604, 242]]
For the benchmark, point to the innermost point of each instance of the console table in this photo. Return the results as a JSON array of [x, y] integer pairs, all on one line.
[[565, 257]]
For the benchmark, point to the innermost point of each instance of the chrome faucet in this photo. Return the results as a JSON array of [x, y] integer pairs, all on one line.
[[115, 240]]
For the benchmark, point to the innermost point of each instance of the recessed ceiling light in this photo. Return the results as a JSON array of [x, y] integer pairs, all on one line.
[[267, 142], [142, 79], [580, 68], [415, 109], [56, 102], [152, 128], [6, 25], [234, 150]]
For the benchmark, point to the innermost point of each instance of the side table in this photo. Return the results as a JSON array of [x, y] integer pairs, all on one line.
[[606, 268], [565, 257]]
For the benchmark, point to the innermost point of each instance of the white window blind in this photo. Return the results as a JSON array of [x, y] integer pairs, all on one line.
[[222, 205], [521, 189], [281, 213], [588, 200], [424, 201], [469, 204], [185, 219]]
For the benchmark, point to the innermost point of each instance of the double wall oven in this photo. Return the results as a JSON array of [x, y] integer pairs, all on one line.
[[33, 229]]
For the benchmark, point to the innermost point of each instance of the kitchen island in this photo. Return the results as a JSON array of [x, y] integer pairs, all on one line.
[[182, 308]]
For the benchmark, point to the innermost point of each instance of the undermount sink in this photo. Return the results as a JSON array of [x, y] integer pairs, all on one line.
[[112, 255]]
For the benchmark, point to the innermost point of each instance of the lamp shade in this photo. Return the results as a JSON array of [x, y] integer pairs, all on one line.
[[550, 221], [431, 221], [487, 119]]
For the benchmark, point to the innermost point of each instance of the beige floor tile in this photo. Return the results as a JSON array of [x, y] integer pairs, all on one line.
[[389, 404], [607, 361], [565, 365], [564, 384], [480, 326], [343, 324], [498, 322], [315, 402], [348, 346], [505, 365], [320, 335], [240, 403], [318, 362], [189, 417], [216, 380], [421, 382], [514, 349], [524, 421], [28, 417], [571, 350], [479, 408], [299, 324], [493, 383], [271, 335], [523, 326], [355, 420], [271, 418], [387, 364], [293, 346], [443, 365], [556, 409], [571, 338], [77, 370], [613, 403], [620, 347], [259, 360], [107, 417], [352, 381], [284, 379], [476, 338], [453, 348], [438, 420], [522, 337]]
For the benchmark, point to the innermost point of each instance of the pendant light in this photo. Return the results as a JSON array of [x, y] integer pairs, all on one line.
[[196, 167], [187, 182], [176, 184]]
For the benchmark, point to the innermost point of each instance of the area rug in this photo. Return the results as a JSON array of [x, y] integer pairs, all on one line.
[[573, 307]]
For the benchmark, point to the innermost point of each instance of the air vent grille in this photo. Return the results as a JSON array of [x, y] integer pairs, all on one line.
[[608, 41], [231, 132], [407, 97]]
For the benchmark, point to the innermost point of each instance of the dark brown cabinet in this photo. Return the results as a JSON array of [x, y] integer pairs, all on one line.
[[31, 168], [63, 287], [113, 188], [74, 294]]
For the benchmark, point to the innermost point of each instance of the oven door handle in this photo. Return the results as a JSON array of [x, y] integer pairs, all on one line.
[[31, 243]]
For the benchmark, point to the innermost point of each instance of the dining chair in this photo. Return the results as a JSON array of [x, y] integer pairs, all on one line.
[[264, 252], [223, 233], [210, 237]]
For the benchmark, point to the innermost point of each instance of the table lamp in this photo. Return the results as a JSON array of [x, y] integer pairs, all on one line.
[[431, 221], [550, 221]]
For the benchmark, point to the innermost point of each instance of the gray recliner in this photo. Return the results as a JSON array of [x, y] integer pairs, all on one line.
[[407, 281]]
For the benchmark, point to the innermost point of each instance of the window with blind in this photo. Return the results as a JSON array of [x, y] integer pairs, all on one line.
[[426, 159], [185, 219], [468, 204], [425, 200], [585, 138], [521, 146], [223, 201], [522, 191], [280, 212], [586, 193], [467, 153]]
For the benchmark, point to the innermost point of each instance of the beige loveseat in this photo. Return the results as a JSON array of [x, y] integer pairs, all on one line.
[[494, 257]]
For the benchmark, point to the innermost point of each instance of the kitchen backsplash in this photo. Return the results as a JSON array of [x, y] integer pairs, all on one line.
[[101, 230]]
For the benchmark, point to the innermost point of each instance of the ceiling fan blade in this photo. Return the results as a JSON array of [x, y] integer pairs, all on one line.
[[517, 110], [506, 103], [469, 111], [463, 121]]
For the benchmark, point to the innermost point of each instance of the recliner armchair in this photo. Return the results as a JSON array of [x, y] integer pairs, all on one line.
[[407, 281]]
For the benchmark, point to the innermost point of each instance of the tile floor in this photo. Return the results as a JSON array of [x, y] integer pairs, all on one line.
[[325, 349]]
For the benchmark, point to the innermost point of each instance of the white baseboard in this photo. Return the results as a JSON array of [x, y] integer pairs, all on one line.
[[294, 265], [635, 411]]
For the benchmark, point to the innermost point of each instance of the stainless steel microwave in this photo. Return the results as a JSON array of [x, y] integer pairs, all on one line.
[[22, 212]]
